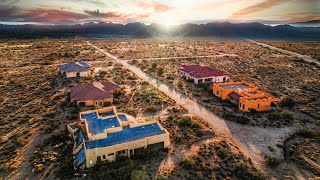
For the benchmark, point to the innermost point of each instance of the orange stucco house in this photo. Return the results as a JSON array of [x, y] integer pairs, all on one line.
[[245, 95]]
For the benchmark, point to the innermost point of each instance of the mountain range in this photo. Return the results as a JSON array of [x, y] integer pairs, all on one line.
[[214, 29]]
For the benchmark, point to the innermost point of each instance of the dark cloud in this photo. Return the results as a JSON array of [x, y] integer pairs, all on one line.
[[114, 16], [95, 2], [97, 13]]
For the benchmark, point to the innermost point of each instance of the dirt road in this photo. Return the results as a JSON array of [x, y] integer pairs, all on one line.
[[304, 57], [252, 141]]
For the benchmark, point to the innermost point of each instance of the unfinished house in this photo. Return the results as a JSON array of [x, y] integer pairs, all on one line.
[[76, 69], [94, 94], [245, 95], [105, 135], [202, 74]]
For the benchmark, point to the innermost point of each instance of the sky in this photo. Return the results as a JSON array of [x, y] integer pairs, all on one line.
[[169, 12]]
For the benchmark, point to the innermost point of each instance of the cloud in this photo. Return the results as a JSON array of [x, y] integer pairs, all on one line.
[[95, 2], [258, 7], [52, 15], [157, 7], [114, 16], [14, 14]]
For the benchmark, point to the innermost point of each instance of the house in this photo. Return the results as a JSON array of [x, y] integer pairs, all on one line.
[[105, 135], [76, 69], [93, 94], [202, 74], [245, 95]]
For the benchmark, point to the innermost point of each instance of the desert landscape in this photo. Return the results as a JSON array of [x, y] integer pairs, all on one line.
[[210, 138]]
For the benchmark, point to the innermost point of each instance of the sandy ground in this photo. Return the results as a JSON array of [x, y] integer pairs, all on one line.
[[304, 57], [252, 141]]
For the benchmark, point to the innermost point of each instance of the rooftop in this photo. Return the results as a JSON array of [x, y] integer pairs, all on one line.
[[75, 67], [237, 87], [98, 126], [126, 135], [93, 91], [198, 71]]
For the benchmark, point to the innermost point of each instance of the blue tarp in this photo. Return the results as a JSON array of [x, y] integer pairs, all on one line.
[[126, 135], [110, 113], [123, 118], [98, 126], [79, 137], [79, 158]]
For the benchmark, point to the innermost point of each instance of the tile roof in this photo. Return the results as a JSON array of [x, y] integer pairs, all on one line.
[[93, 91], [198, 71], [75, 67]]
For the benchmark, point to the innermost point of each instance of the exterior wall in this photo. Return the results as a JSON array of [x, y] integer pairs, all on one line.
[[258, 105], [93, 103], [92, 154], [74, 74], [222, 93]]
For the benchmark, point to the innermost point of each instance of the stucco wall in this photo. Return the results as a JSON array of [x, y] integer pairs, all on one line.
[[92, 154]]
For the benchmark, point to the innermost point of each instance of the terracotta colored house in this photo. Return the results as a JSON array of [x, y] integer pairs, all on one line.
[[93, 94], [202, 74], [76, 69], [245, 95], [105, 135]]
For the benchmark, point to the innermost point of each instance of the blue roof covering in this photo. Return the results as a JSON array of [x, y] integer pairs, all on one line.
[[79, 137], [110, 113], [126, 135], [98, 126], [79, 158], [123, 118]]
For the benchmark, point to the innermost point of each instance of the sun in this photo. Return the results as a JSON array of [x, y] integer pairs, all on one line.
[[168, 22]]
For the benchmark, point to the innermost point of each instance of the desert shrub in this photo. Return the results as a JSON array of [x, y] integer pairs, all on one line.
[[188, 163], [107, 103], [307, 133], [242, 171], [131, 111], [272, 161], [287, 102], [151, 109], [184, 121], [22, 140], [280, 115]]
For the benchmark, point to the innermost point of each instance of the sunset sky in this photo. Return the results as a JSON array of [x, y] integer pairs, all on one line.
[[155, 11]]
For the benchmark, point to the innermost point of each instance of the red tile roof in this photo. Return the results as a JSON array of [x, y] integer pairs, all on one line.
[[198, 71], [93, 91]]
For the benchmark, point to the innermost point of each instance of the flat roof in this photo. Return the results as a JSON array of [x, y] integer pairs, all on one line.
[[123, 118], [126, 135], [237, 87], [98, 126]]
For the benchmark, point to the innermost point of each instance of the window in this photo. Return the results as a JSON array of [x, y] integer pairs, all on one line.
[[111, 154], [98, 158], [243, 106], [121, 152], [104, 156], [91, 162], [258, 105], [131, 151]]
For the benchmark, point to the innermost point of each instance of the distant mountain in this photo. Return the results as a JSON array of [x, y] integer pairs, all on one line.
[[312, 23], [214, 29]]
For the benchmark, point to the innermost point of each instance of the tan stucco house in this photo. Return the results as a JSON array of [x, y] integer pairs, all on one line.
[[76, 69], [105, 135], [93, 94]]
